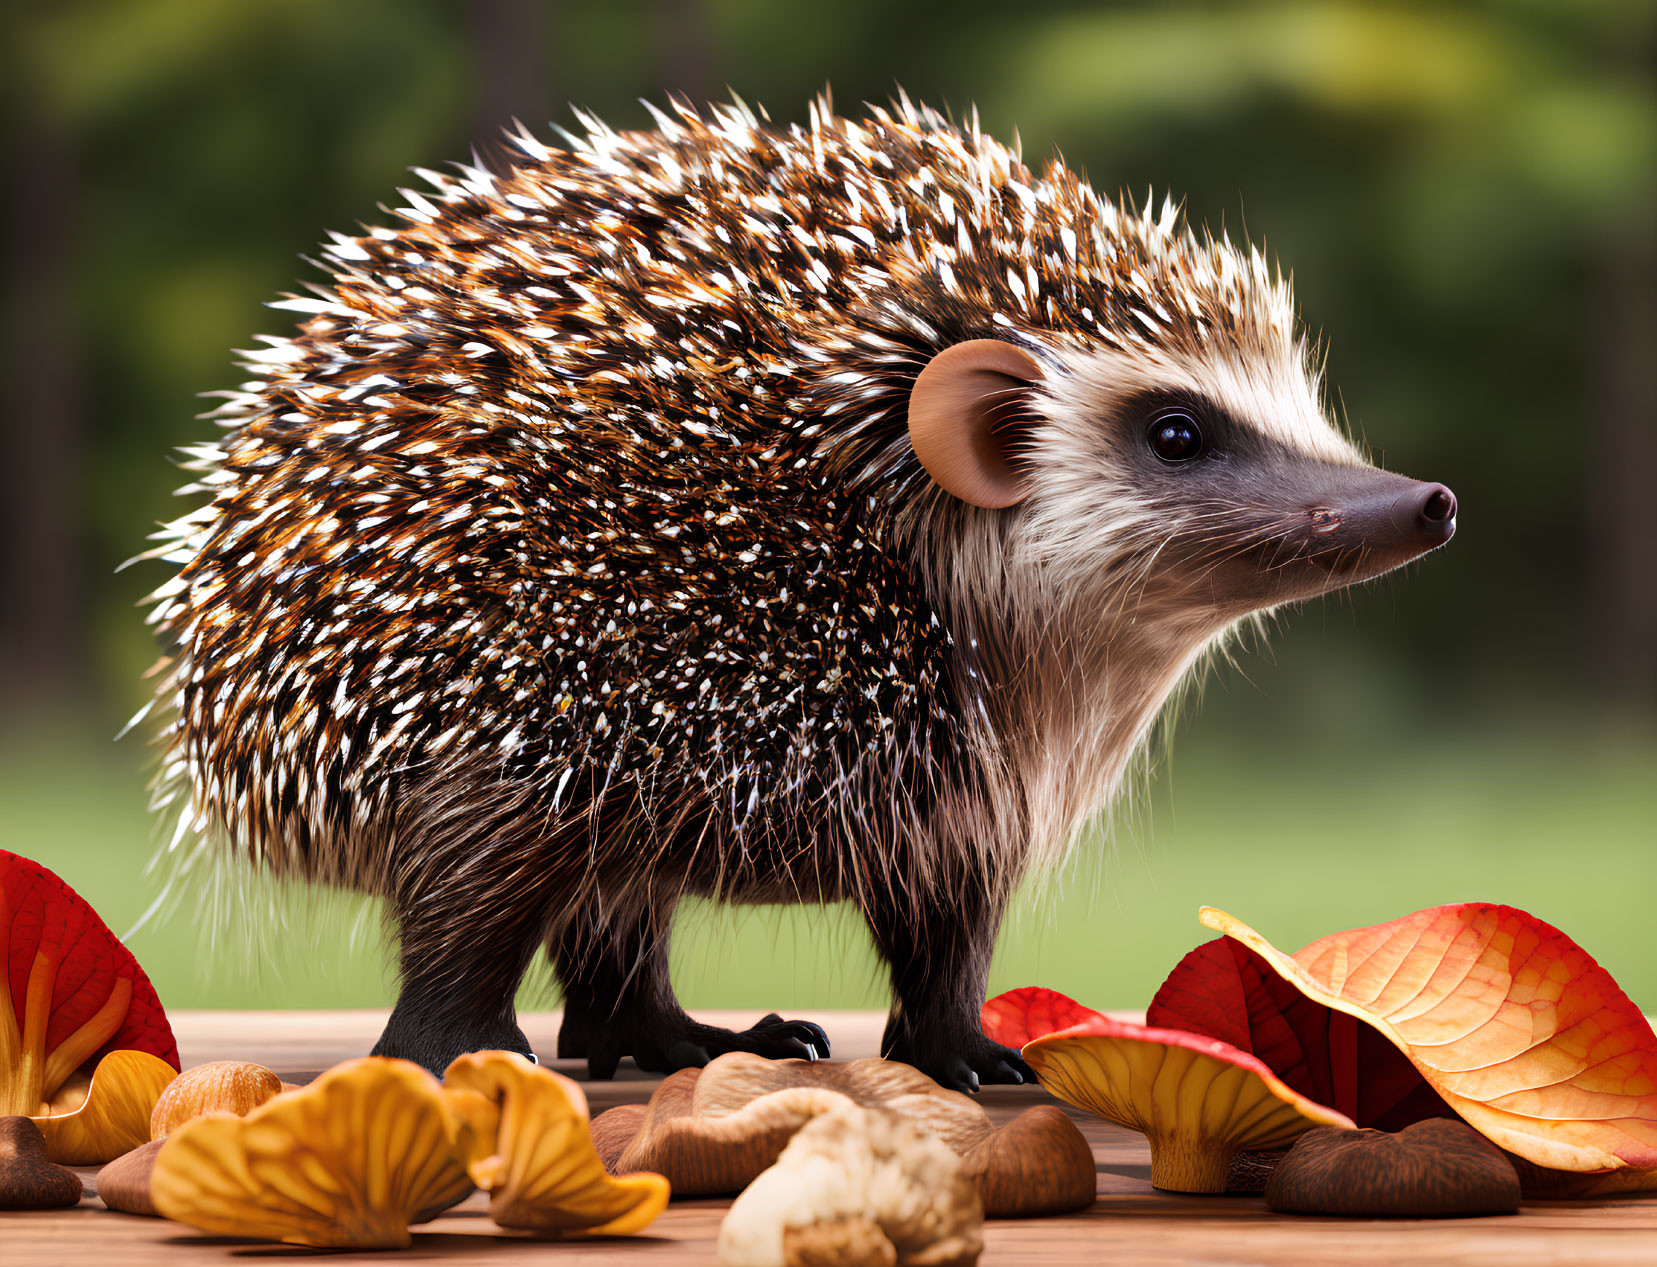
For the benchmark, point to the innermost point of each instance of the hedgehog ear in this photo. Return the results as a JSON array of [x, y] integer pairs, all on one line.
[[959, 411]]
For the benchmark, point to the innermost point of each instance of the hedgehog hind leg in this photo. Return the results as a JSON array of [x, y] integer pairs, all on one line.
[[937, 941], [619, 1001]]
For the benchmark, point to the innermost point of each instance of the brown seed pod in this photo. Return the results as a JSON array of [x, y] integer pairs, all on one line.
[[27, 1180], [1440, 1167], [1038, 1164], [224, 1086], [124, 1184]]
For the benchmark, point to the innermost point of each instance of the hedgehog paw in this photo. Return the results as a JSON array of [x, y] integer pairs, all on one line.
[[963, 1065], [688, 1045]]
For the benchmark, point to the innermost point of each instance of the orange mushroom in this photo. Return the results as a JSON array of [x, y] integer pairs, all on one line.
[[538, 1163], [1198, 1100]]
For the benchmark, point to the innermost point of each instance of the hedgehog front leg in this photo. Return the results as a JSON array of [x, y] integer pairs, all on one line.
[[937, 943], [459, 978], [473, 881], [619, 1001]]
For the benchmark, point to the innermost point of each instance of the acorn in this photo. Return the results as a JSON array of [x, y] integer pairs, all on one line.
[[222, 1086]]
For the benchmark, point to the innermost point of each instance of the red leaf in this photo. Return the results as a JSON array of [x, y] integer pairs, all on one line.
[[49, 932], [1018, 1016], [1224, 990]]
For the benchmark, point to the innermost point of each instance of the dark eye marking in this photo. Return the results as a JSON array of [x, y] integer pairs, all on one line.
[[1175, 436]]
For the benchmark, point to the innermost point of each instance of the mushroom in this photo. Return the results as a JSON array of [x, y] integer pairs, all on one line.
[[83, 998], [223, 1086], [27, 1180], [124, 1184], [90, 1121], [349, 1161], [1198, 1100], [1434, 1168], [538, 1163], [856, 1186], [712, 1130]]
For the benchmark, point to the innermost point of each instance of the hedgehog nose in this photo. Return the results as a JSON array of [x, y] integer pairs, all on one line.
[[1426, 510]]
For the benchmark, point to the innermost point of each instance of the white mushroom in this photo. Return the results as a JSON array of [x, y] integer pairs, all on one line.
[[857, 1186]]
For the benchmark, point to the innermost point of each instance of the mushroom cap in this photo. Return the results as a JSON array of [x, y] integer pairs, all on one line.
[[1438, 1167], [847, 1171], [221, 1086], [28, 1181], [1516, 1027], [348, 1161], [539, 1165], [1198, 1100], [91, 1121], [70, 992]]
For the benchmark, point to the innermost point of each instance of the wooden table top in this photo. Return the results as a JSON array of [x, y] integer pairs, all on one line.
[[1130, 1223]]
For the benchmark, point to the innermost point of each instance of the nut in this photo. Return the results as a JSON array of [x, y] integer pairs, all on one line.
[[224, 1086], [27, 1180], [124, 1184], [1437, 1167]]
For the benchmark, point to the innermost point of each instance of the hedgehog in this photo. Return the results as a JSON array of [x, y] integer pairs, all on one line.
[[809, 514]]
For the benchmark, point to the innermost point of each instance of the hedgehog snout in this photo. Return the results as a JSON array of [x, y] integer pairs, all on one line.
[[1426, 509], [1421, 516], [1372, 521]]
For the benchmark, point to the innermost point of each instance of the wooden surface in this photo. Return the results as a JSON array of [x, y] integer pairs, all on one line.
[[1130, 1223]]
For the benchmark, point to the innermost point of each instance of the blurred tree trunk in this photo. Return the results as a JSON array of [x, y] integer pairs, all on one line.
[[1623, 494], [40, 634], [683, 49], [511, 56]]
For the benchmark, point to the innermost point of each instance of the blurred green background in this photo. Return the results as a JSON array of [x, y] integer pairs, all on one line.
[[1466, 194]]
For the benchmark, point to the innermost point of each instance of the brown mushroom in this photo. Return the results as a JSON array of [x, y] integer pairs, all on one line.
[[711, 1131], [124, 1184], [1439, 1167], [27, 1180]]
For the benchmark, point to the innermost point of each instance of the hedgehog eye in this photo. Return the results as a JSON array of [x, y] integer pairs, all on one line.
[[1175, 436]]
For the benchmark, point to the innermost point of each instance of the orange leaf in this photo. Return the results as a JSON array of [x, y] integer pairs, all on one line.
[[1507, 1018], [1226, 991]]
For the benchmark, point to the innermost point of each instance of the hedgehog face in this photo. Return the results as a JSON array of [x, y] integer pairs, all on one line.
[[1170, 489], [1224, 483]]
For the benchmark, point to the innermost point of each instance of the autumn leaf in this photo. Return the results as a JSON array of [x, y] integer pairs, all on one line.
[[1512, 1023]]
